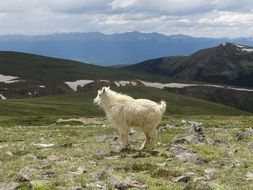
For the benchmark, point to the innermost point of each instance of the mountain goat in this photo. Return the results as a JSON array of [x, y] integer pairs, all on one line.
[[125, 112]]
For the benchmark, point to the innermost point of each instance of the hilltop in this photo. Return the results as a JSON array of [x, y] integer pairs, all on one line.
[[225, 64], [28, 75]]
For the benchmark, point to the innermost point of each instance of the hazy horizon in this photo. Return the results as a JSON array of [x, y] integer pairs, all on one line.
[[119, 33]]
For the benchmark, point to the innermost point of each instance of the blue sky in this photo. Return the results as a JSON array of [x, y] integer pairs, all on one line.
[[210, 18]]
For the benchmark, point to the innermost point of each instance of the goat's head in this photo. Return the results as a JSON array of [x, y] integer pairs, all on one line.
[[101, 95]]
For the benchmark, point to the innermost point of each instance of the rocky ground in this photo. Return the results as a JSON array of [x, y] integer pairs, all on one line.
[[85, 154]]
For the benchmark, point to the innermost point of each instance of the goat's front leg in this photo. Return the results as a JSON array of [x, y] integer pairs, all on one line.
[[145, 143], [124, 132]]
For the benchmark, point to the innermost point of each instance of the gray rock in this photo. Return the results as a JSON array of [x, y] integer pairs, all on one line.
[[80, 170], [27, 171], [232, 151], [2, 145], [100, 175], [179, 140], [250, 145], [166, 127], [184, 179], [178, 149], [217, 142], [210, 172], [249, 131], [210, 141], [215, 164], [76, 188], [41, 145], [9, 153], [229, 165], [243, 135], [196, 138], [206, 185], [197, 128], [229, 151], [240, 136], [106, 138], [193, 126], [22, 178], [96, 185], [9, 186], [49, 174], [190, 157], [121, 183], [192, 138], [249, 176]]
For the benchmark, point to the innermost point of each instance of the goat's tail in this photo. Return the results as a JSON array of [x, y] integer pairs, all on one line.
[[163, 106]]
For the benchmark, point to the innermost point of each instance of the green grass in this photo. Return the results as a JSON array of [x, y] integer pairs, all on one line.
[[157, 172], [46, 110], [25, 121]]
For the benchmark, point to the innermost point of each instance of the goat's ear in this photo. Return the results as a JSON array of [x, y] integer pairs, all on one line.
[[108, 87], [103, 90]]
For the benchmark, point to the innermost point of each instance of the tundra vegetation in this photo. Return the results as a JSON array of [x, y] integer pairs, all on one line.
[[64, 142]]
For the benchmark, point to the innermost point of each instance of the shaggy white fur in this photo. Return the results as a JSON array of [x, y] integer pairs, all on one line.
[[125, 112]]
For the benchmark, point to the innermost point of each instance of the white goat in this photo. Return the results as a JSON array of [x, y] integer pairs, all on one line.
[[125, 112]]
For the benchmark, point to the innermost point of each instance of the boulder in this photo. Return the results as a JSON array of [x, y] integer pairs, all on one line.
[[190, 157], [210, 172], [121, 183], [179, 149], [183, 178]]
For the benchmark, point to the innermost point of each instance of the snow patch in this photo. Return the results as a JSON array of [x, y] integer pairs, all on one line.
[[240, 46], [2, 97], [104, 81], [169, 85], [75, 84], [240, 89], [8, 79], [182, 85], [244, 48], [247, 49], [42, 86], [124, 83], [117, 84]]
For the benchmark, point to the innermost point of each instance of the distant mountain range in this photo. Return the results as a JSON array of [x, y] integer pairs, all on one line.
[[225, 64], [112, 49]]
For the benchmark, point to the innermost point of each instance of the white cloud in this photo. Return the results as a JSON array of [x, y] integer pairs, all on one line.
[[122, 4], [214, 18]]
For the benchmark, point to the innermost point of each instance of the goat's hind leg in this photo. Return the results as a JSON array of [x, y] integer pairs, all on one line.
[[152, 137]]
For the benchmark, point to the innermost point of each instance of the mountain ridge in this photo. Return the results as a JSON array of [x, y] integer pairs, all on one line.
[[226, 64], [111, 49]]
